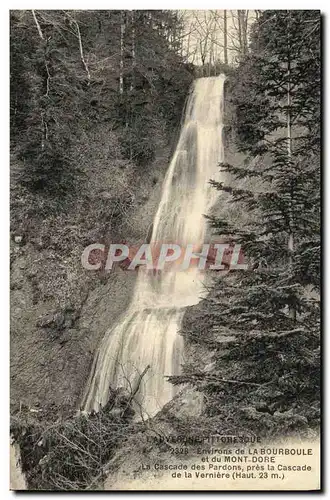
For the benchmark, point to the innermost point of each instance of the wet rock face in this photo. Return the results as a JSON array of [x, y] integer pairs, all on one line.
[[188, 403], [59, 320], [55, 320], [53, 344]]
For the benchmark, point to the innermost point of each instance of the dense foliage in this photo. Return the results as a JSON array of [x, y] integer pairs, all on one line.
[[71, 70], [73, 454], [263, 324]]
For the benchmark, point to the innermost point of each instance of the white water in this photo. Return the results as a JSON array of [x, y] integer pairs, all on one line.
[[148, 333]]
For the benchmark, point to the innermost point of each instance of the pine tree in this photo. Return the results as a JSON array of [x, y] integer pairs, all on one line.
[[263, 323]]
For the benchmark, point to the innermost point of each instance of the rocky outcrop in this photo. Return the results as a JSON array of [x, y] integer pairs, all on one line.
[[59, 310]]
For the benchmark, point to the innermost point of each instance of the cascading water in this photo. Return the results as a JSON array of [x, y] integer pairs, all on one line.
[[148, 334]]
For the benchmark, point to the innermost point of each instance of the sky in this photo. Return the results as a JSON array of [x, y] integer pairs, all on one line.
[[203, 34]]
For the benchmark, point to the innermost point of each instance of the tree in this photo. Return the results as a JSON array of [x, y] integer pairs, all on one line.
[[225, 37], [263, 323], [214, 37], [78, 68]]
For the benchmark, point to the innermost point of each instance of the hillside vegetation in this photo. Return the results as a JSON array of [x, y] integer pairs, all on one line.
[[96, 98]]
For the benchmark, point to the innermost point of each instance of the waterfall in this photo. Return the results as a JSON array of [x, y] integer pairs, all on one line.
[[148, 332]]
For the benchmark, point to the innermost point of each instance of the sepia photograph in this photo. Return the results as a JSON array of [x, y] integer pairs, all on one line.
[[165, 245]]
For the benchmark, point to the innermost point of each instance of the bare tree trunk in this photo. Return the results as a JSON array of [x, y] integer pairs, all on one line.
[[133, 51], [121, 64], [242, 18], [225, 37], [82, 51], [211, 55], [44, 127], [240, 40], [203, 54], [174, 38], [43, 133], [245, 17], [38, 25], [188, 41], [46, 64]]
